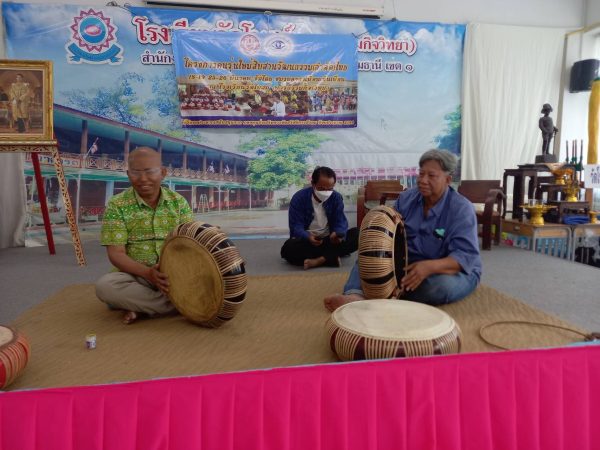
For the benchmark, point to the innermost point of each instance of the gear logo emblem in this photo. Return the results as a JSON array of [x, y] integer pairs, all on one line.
[[93, 39]]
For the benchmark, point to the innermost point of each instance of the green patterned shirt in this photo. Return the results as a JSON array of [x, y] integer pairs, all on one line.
[[129, 221]]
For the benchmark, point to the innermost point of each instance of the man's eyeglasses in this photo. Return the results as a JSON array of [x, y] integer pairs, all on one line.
[[148, 172]]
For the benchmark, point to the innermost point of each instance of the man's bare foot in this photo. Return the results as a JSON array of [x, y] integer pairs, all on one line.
[[314, 262], [333, 302], [129, 317]]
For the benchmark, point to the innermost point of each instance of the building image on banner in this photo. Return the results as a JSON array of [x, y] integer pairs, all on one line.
[[94, 151], [115, 73]]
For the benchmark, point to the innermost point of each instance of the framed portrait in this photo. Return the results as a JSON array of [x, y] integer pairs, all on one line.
[[25, 101]]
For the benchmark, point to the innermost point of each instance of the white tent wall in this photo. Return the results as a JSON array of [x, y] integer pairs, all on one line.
[[592, 12], [509, 72], [12, 192], [536, 13], [580, 45]]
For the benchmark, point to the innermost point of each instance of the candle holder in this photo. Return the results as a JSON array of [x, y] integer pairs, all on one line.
[[571, 191], [536, 211]]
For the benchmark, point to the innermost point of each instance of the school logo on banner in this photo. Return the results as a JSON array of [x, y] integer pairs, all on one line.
[[93, 40]]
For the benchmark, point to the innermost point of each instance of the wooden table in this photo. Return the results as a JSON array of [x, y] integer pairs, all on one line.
[[551, 189], [518, 199], [587, 237], [550, 238]]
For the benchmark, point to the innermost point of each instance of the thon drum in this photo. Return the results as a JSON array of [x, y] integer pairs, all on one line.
[[14, 354], [206, 273], [382, 253], [374, 329]]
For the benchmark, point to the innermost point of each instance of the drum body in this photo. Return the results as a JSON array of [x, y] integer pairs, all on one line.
[[206, 273], [374, 329], [14, 355], [382, 253]]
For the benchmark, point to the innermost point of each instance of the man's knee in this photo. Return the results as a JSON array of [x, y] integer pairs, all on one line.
[[441, 289], [445, 289], [105, 287], [109, 287], [293, 251], [285, 248]]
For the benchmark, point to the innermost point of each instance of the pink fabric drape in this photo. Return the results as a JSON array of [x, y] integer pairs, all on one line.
[[535, 399]]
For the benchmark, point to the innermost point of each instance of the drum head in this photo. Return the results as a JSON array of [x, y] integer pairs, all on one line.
[[393, 319], [196, 285], [6, 335]]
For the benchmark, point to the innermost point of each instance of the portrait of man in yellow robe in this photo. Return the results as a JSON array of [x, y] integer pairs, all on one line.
[[20, 95]]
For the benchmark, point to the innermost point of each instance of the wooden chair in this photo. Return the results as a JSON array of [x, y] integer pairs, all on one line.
[[375, 192], [488, 193]]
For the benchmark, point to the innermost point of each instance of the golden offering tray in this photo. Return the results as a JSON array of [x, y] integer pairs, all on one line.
[[536, 212], [560, 172]]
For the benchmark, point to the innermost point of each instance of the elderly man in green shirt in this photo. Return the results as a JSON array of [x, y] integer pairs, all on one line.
[[135, 225]]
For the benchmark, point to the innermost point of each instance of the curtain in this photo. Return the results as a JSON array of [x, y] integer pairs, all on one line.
[[13, 197], [509, 72], [13, 200]]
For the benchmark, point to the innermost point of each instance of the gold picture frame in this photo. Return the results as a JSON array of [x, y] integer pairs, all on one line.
[[26, 101]]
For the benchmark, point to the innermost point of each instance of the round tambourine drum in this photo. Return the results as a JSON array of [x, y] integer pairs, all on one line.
[[375, 329], [14, 355], [382, 253], [206, 273]]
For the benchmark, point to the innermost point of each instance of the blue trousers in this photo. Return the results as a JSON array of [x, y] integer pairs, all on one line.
[[435, 290]]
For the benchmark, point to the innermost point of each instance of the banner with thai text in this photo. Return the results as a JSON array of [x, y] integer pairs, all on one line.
[[115, 88], [265, 79]]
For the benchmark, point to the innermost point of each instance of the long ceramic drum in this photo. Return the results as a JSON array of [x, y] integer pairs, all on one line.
[[373, 329], [382, 253], [206, 273], [14, 355]]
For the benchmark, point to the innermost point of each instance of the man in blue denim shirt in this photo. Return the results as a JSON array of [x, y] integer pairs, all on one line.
[[319, 231], [441, 232]]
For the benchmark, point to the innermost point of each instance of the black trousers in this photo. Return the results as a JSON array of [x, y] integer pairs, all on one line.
[[295, 250]]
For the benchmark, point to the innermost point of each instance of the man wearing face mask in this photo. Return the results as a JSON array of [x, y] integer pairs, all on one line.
[[319, 232]]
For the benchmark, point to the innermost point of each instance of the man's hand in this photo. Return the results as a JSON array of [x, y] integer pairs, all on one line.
[[314, 240], [158, 279], [415, 274], [335, 239]]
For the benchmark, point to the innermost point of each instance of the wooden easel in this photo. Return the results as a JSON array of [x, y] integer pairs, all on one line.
[[49, 147]]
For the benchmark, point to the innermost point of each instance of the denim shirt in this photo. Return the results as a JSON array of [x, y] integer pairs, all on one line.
[[450, 229]]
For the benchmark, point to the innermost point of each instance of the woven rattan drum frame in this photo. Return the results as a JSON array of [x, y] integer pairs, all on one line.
[[14, 355], [382, 253], [351, 344], [228, 271]]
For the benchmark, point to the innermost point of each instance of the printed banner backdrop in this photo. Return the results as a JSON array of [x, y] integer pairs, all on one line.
[[115, 88], [265, 79]]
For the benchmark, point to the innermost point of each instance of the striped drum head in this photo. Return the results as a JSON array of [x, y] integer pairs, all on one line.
[[206, 273], [382, 253], [14, 355], [373, 329]]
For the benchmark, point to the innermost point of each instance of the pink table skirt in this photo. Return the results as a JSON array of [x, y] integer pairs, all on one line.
[[538, 399]]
